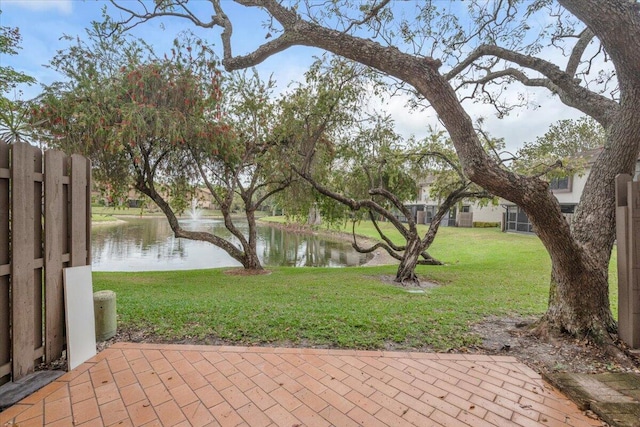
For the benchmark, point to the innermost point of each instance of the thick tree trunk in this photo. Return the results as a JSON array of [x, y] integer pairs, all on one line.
[[579, 292], [578, 295], [582, 309], [406, 273], [251, 260]]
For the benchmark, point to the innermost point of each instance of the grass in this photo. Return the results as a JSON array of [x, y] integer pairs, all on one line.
[[488, 273], [109, 213], [101, 217]]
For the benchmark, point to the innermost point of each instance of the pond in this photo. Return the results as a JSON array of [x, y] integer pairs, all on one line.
[[148, 245]]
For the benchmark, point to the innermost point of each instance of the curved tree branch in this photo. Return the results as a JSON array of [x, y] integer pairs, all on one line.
[[378, 245], [578, 50], [625, 16], [382, 235], [158, 11], [597, 106], [353, 204], [428, 260], [387, 246], [370, 15], [147, 188], [393, 199]]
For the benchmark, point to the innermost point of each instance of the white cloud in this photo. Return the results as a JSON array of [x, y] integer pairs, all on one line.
[[522, 125], [62, 6]]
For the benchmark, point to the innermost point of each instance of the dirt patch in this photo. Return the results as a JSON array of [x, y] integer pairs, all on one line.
[[511, 336], [246, 272], [390, 280], [506, 336]]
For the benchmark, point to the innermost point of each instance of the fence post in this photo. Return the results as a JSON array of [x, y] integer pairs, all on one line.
[[5, 316]]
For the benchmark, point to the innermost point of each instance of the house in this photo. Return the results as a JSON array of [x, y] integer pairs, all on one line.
[[567, 190], [464, 214], [202, 198]]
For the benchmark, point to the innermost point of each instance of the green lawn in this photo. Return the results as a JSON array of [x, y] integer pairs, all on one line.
[[102, 218], [120, 210], [106, 213], [486, 273]]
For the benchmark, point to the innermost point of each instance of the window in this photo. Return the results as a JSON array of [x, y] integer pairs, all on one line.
[[430, 213], [465, 208], [567, 209], [517, 220], [560, 184]]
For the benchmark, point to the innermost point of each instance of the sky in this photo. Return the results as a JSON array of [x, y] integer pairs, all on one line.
[[42, 23]]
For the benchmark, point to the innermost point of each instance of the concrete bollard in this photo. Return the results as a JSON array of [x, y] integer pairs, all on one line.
[[104, 310]]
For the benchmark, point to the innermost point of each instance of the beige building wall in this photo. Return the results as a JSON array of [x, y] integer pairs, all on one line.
[[488, 213]]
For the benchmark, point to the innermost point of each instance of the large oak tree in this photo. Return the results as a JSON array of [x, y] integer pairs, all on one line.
[[413, 50]]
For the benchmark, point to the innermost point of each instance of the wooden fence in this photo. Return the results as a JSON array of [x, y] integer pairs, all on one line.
[[45, 225], [628, 241], [465, 219]]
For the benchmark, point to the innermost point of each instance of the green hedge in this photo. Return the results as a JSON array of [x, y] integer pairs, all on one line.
[[480, 224]]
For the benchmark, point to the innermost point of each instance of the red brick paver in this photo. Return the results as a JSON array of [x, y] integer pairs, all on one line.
[[170, 385]]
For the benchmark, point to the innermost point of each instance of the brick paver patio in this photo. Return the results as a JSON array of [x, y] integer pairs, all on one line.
[[174, 385]]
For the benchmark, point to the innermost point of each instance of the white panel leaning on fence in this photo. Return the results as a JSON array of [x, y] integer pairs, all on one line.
[[45, 226], [78, 300]]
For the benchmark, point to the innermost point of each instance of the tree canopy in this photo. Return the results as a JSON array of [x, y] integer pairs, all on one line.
[[14, 114], [351, 155], [10, 40], [563, 150], [167, 124]]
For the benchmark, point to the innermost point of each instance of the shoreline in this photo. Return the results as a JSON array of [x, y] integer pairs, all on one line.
[[380, 256]]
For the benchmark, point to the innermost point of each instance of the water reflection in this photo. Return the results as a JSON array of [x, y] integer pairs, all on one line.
[[148, 244]]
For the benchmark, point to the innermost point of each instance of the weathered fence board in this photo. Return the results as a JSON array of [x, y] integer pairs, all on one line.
[[55, 247], [38, 290], [79, 242], [5, 343], [26, 263], [45, 225]]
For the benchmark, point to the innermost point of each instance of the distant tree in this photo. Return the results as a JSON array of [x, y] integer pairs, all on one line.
[[560, 151], [166, 124], [10, 40], [16, 121], [14, 114], [356, 159]]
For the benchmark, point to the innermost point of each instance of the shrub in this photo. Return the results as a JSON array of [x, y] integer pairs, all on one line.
[[481, 224]]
